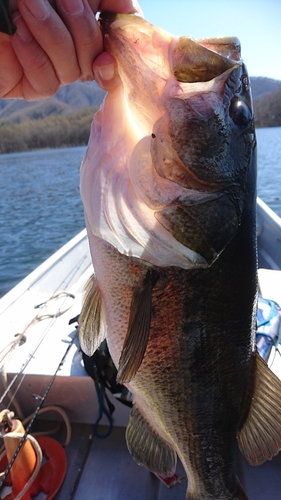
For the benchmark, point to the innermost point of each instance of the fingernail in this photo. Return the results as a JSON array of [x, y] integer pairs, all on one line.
[[22, 30], [106, 72], [40, 9], [73, 6]]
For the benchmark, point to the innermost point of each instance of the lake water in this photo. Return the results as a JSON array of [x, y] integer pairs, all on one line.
[[40, 206]]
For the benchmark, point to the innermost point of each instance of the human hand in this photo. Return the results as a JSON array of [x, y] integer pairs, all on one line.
[[55, 44], [105, 66]]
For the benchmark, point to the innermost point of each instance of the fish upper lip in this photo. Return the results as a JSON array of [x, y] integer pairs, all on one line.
[[192, 62]]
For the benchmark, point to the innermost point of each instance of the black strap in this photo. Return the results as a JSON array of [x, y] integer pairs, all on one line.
[[94, 366], [101, 395], [102, 370], [5, 24]]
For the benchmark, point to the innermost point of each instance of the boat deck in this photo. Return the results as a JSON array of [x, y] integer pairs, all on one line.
[[102, 469], [109, 472]]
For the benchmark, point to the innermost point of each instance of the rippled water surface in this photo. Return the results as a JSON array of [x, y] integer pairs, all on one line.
[[40, 208], [269, 167]]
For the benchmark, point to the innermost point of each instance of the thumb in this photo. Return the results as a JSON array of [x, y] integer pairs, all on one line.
[[106, 71]]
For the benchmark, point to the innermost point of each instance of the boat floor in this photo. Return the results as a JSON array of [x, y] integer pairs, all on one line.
[[109, 472], [102, 469]]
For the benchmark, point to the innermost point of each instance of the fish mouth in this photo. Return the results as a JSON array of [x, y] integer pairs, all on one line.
[[190, 60]]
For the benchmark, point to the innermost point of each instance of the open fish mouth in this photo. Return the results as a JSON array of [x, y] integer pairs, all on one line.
[[191, 60]]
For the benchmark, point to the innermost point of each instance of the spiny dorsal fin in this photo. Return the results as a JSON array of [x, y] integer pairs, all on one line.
[[91, 334], [147, 448], [138, 329], [260, 437]]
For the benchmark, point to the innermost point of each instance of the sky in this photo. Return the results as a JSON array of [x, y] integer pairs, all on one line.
[[257, 24]]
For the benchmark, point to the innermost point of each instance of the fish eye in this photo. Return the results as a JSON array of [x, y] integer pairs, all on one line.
[[240, 113]]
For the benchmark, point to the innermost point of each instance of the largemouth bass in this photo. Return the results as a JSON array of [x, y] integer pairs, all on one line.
[[168, 184]]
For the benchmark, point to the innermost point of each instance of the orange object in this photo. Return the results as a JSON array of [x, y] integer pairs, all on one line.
[[51, 474], [25, 462]]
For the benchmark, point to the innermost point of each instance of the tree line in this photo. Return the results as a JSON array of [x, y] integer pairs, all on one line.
[[268, 110], [55, 131], [58, 131]]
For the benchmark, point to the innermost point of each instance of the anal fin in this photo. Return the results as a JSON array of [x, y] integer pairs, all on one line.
[[91, 333], [260, 437], [138, 329], [148, 448]]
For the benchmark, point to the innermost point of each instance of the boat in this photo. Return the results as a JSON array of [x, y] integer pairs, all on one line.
[[42, 366]]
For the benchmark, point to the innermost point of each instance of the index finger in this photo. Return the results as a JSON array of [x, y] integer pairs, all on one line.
[[118, 6], [10, 69], [85, 31], [53, 37]]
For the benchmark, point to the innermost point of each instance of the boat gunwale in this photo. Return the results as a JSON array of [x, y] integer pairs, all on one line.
[[10, 297]]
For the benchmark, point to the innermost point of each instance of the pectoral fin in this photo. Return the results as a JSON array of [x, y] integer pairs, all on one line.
[[260, 437], [147, 448], [138, 329], [91, 334]]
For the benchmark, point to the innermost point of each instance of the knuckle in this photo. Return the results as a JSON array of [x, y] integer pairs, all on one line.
[[69, 76]]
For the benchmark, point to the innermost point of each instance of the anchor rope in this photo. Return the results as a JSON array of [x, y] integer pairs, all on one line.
[[68, 293], [42, 399], [62, 288], [31, 354]]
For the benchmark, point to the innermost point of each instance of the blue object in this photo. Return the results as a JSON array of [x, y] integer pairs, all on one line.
[[268, 326]]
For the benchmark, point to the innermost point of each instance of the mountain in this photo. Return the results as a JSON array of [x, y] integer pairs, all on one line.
[[71, 98], [268, 109], [262, 86], [54, 131], [82, 95], [65, 119]]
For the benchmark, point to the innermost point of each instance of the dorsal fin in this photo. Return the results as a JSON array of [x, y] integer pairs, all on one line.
[[147, 448], [91, 334], [138, 329], [260, 437]]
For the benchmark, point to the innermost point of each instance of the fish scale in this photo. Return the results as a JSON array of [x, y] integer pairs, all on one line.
[[170, 197]]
